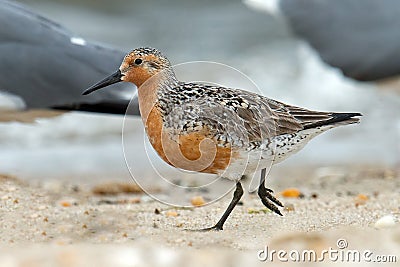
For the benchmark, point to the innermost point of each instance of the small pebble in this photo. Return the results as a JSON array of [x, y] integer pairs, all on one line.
[[65, 204], [289, 207], [291, 192], [385, 222], [171, 213], [361, 199], [197, 201]]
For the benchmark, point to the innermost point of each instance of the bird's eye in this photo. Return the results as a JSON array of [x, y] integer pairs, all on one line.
[[138, 61]]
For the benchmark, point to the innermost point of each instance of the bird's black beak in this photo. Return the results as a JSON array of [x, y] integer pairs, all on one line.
[[113, 78]]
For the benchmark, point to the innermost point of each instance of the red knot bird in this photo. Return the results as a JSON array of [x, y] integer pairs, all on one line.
[[212, 129]]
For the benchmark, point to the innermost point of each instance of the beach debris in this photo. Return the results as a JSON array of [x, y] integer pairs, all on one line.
[[257, 211], [386, 221], [115, 188], [118, 201], [171, 213], [292, 192], [197, 201], [289, 207], [67, 202], [360, 199]]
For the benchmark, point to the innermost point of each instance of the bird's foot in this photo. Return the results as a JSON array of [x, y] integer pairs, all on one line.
[[208, 229], [269, 200], [213, 228], [269, 190]]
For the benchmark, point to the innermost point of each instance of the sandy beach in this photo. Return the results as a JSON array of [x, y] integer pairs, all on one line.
[[113, 223]]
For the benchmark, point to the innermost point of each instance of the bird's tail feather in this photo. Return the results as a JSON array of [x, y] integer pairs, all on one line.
[[337, 119]]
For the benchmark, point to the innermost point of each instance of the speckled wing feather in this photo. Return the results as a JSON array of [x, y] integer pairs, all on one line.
[[232, 115], [237, 116]]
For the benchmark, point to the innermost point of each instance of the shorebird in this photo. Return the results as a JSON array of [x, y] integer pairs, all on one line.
[[56, 64], [242, 131]]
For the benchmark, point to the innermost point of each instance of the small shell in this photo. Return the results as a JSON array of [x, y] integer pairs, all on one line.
[[197, 201], [385, 222]]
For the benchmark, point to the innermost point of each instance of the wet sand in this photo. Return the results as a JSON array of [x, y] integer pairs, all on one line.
[[64, 224]]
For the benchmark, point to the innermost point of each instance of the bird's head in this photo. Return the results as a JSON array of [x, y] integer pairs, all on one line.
[[137, 67]]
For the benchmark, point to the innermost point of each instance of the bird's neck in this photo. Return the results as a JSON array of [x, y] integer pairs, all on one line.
[[149, 92]]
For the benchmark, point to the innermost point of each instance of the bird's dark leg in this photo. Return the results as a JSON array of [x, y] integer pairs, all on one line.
[[236, 197], [266, 197]]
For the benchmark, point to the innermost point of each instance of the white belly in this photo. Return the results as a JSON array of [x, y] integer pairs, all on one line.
[[282, 147]]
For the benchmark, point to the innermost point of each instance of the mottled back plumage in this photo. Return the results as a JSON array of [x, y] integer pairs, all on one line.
[[236, 116]]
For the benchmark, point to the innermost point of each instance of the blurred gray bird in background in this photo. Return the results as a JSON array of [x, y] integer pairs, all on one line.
[[360, 37], [44, 67]]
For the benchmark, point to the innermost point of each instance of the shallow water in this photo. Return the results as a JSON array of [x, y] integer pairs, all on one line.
[[260, 46]]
